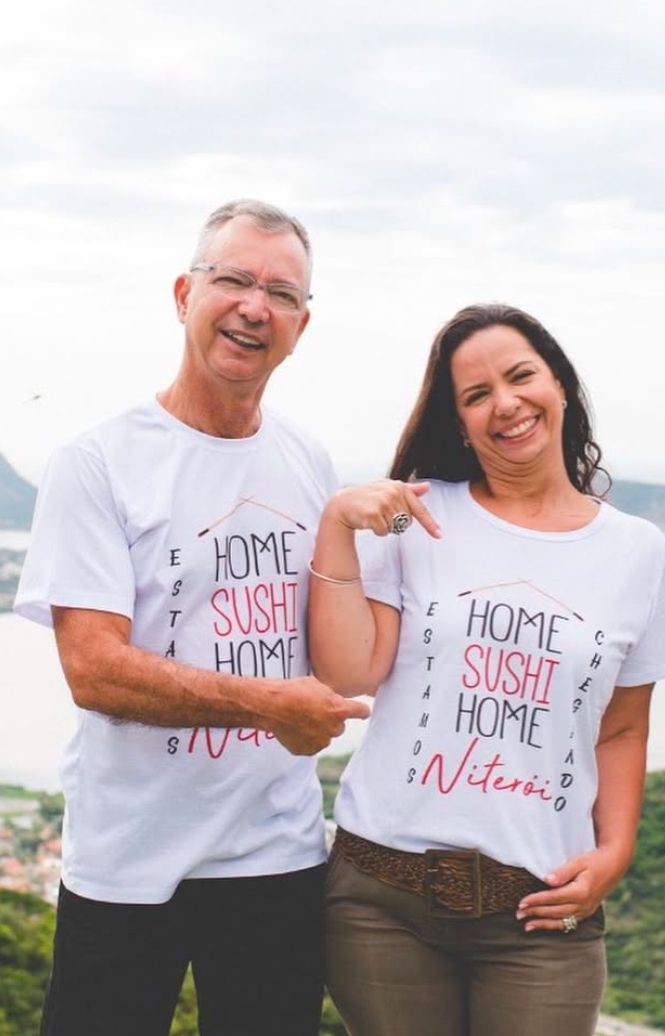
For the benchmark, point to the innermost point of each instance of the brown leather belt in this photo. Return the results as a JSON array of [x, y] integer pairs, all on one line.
[[456, 882]]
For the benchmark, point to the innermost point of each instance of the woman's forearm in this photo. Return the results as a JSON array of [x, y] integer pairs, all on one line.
[[342, 626], [621, 767]]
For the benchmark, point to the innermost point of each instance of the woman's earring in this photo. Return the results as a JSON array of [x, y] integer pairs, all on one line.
[[564, 404]]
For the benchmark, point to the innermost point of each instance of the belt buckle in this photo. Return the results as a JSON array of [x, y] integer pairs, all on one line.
[[466, 866]]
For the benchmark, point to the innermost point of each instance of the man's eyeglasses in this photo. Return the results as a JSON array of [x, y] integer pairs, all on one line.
[[236, 284]]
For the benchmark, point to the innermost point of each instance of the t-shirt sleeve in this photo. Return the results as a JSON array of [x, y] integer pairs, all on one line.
[[645, 662], [381, 568], [78, 555]]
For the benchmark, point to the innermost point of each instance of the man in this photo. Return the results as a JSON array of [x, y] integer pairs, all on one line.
[[170, 547]]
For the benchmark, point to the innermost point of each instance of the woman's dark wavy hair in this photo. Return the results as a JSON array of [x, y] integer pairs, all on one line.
[[431, 445]]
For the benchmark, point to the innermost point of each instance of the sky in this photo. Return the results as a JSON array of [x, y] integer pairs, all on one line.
[[440, 152]]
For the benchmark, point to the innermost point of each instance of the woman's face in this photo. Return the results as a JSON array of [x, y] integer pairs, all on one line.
[[509, 403]]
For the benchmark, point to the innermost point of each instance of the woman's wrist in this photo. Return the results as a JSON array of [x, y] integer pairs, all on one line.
[[333, 517]]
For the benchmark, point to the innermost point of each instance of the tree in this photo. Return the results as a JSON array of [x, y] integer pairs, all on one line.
[[26, 937]]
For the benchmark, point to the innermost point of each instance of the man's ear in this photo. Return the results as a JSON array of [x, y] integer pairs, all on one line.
[[181, 290]]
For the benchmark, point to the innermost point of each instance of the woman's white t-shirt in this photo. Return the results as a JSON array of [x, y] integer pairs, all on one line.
[[512, 642]]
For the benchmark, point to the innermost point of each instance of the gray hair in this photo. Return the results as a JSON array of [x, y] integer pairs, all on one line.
[[268, 217]]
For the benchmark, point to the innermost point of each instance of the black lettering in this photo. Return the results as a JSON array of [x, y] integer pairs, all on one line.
[[286, 550], [222, 661], [500, 629], [524, 619], [489, 708], [482, 615], [470, 712], [553, 631]]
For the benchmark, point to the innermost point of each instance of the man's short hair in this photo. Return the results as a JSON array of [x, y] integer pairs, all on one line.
[[268, 217]]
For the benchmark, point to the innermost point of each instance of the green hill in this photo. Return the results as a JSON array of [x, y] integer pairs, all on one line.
[[635, 911], [635, 930], [636, 921]]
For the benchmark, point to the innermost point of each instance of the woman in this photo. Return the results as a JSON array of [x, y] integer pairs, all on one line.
[[512, 636]]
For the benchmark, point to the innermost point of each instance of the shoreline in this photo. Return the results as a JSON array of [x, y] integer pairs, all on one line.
[[39, 717]]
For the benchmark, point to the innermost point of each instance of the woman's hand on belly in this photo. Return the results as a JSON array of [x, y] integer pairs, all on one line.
[[578, 888]]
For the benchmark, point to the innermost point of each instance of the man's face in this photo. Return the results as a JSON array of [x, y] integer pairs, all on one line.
[[241, 341]]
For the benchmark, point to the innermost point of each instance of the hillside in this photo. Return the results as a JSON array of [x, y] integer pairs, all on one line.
[[17, 498], [635, 910], [29, 821]]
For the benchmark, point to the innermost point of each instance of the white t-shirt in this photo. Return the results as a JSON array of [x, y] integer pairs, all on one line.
[[203, 543], [512, 641]]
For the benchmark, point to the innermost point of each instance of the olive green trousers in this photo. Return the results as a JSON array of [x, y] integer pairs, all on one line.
[[395, 969]]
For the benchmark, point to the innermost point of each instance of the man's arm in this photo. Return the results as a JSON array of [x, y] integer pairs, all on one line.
[[107, 674]]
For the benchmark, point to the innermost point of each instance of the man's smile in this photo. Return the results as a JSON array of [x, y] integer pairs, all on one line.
[[244, 340]]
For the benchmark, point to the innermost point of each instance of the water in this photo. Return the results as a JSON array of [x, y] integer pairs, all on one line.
[[38, 717], [37, 713]]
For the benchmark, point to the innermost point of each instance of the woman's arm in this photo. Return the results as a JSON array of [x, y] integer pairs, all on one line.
[[353, 640], [582, 883]]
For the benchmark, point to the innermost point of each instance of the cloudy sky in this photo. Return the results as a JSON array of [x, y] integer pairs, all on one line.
[[440, 152]]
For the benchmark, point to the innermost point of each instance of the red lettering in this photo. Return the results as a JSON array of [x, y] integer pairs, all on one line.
[[222, 595], [512, 672], [467, 659], [216, 749], [437, 761], [214, 753], [261, 591], [483, 776], [263, 608]]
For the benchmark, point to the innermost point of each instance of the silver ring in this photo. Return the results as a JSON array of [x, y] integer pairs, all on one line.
[[569, 923], [400, 522]]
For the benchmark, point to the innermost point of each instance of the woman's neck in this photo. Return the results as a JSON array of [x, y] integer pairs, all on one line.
[[547, 503]]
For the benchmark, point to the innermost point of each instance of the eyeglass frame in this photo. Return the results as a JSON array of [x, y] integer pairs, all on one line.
[[265, 286]]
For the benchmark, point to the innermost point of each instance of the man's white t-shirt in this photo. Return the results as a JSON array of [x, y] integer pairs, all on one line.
[[512, 642], [203, 543]]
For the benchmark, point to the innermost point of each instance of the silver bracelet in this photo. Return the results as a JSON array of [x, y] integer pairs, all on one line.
[[329, 579]]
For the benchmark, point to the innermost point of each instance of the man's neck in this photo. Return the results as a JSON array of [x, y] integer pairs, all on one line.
[[223, 415]]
